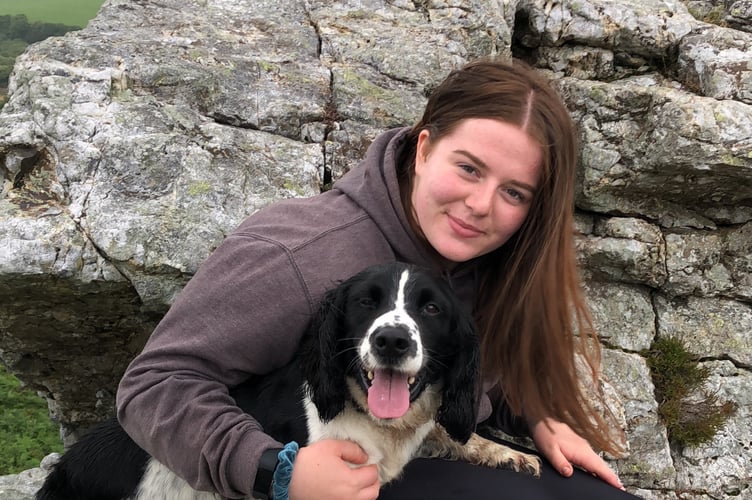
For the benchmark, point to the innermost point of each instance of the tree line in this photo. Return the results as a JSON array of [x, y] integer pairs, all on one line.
[[16, 32]]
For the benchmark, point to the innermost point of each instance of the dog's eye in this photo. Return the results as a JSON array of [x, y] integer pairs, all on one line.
[[367, 302], [431, 309]]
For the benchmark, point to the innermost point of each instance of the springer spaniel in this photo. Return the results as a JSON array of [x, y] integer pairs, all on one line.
[[391, 361]]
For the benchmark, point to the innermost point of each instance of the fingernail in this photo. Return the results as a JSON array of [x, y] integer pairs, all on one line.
[[567, 470]]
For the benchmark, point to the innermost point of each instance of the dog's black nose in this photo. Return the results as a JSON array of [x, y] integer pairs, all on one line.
[[391, 342]]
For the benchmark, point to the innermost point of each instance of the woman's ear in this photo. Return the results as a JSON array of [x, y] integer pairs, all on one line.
[[422, 149]]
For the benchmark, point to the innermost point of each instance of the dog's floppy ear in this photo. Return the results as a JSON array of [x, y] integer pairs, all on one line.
[[322, 368], [459, 405]]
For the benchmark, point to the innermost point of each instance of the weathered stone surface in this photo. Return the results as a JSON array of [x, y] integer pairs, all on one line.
[[736, 14], [710, 328], [623, 315], [707, 264], [643, 28], [649, 462], [716, 62], [721, 466], [626, 250], [740, 15], [129, 149], [24, 486], [738, 260], [660, 152]]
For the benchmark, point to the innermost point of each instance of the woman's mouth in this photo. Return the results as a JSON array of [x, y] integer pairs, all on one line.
[[462, 228]]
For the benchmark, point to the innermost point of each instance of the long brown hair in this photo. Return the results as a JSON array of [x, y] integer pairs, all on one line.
[[530, 310]]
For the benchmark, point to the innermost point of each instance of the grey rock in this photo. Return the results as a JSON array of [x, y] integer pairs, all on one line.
[[623, 315], [739, 15], [649, 28], [717, 62], [129, 149], [703, 265], [736, 14], [652, 149], [721, 466], [625, 250], [649, 464], [709, 327], [24, 486]]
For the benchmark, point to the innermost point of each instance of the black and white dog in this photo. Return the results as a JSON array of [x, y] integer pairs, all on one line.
[[391, 361]]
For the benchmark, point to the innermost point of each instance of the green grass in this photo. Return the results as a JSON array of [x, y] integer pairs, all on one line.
[[70, 12], [690, 421], [26, 432]]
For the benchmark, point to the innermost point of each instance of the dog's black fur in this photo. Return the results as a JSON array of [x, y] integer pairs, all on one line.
[[330, 372]]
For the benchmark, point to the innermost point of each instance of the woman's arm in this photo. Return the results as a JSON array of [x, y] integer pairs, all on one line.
[[241, 315]]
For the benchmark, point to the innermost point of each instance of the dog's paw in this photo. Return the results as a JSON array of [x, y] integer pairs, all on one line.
[[527, 463], [485, 452]]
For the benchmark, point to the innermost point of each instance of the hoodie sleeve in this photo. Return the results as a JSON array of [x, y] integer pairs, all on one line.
[[225, 326]]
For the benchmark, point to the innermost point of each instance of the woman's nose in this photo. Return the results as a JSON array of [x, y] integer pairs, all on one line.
[[480, 200]]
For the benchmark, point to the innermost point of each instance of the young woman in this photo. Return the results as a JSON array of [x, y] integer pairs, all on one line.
[[480, 189]]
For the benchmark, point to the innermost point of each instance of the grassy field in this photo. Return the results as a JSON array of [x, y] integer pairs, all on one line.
[[69, 12], [26, 432]]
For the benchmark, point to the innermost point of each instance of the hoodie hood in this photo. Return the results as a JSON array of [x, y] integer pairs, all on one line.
[[373, 185]]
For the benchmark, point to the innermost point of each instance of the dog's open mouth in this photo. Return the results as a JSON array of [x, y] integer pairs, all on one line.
[[389, 392]]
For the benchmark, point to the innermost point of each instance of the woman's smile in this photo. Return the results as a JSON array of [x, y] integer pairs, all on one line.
[[473, 187], [463, 229]]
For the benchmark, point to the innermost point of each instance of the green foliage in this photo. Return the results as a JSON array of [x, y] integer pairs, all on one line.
[[31, 21], [18, 27], [690, 420], [9, 50], [16, 32], [26, 432], [70, 12], [675, 371]]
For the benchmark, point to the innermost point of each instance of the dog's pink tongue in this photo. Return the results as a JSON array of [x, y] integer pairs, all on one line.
[[389, 394]]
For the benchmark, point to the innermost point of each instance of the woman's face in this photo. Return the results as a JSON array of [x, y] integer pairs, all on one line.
[[474, 187]]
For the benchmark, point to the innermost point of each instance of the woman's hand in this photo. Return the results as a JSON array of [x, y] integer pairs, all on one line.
[[564, 448], [322, 471]]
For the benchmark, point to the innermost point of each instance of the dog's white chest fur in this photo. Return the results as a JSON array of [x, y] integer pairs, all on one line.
[[389, 444]]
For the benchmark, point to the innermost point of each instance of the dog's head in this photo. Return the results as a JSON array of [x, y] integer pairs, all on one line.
[[394, 333]]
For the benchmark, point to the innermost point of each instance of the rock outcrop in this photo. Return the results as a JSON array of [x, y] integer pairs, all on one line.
[[129, 149]]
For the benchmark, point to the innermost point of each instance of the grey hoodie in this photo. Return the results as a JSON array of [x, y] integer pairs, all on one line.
[[245, 310]]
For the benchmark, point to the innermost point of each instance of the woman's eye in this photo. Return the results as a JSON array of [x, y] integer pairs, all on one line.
[[467, 168], [517, 196], [431, 309]]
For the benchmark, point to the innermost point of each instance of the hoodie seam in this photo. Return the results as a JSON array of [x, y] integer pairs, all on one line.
[[289, 253], [313, 239]]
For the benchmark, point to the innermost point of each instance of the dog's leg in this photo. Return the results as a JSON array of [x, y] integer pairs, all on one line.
[[478, 450]]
